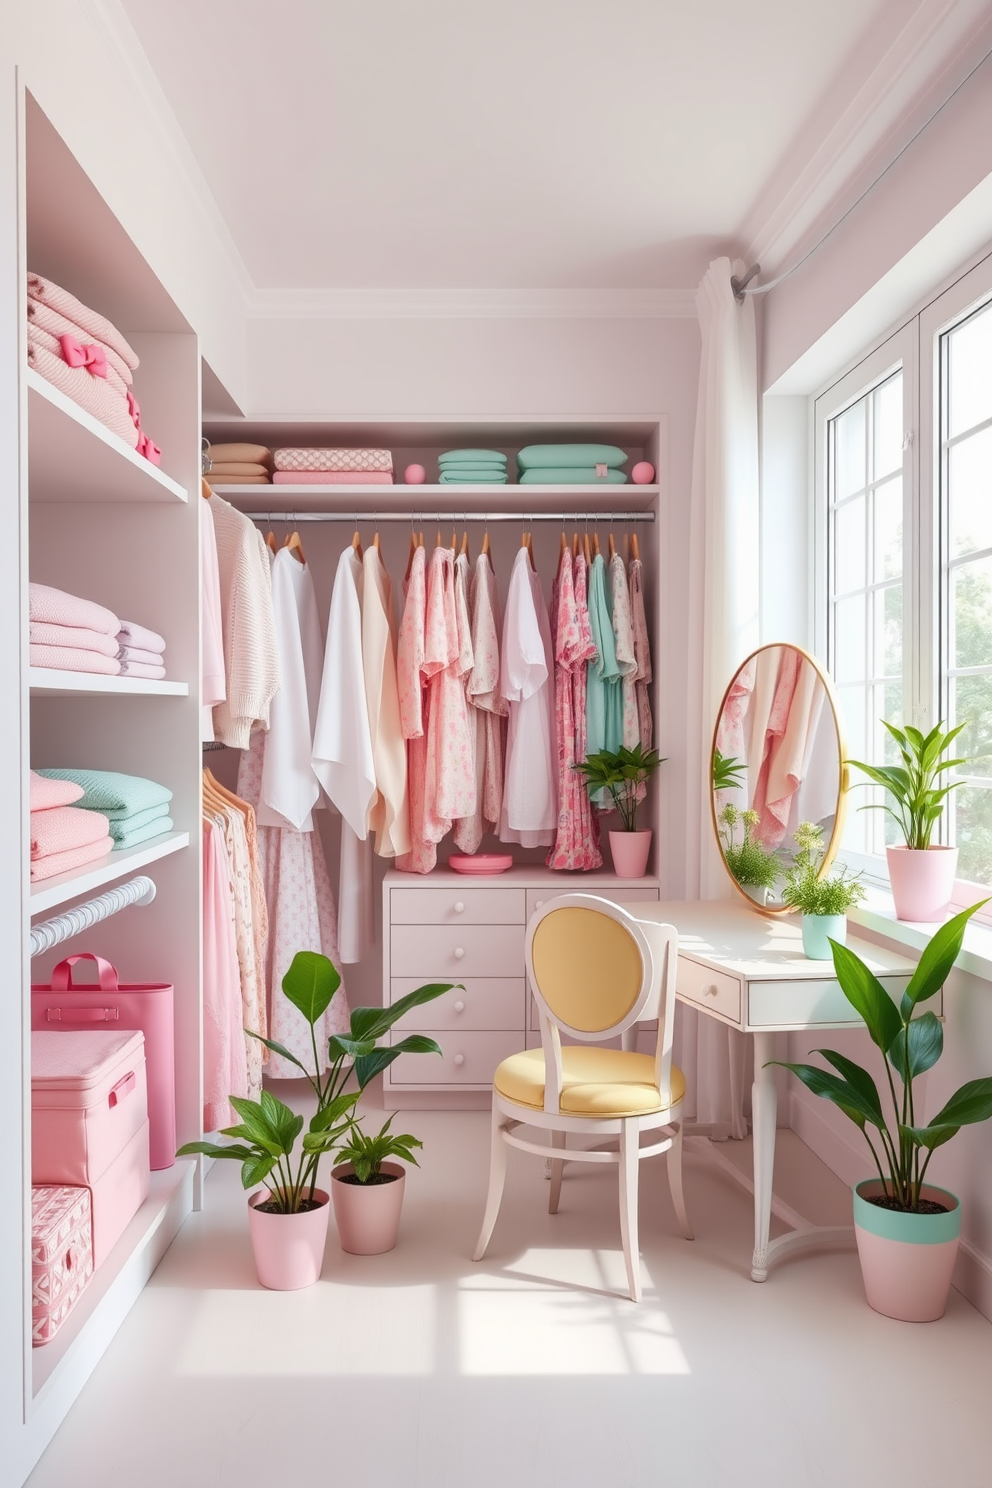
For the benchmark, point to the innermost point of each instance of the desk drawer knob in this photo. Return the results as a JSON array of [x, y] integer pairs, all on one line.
[[459, 1059], [459, 906], [459, 1007], [711, 990], [459, 952]]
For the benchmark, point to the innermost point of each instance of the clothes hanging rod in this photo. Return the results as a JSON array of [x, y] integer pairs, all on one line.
[[432, 513], [50, 933]]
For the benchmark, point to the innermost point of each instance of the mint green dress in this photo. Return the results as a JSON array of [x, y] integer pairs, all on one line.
[[604, 695]]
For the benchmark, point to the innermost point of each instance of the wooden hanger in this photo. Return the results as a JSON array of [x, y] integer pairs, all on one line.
[[270, 540], [564, 545], [585, 549], [413, 549], [465, 542], [356, 543], [612, 548], [220, 797], [595, 544], [635, 551], [530, 550], [485, 542], [438, 543], [575, 545], [205, 490], [295, 546]]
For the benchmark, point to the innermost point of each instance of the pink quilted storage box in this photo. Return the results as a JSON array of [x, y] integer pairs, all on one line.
[[89, 1123], [61, 1256]]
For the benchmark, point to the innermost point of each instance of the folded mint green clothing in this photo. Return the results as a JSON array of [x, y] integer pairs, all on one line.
[[123, 823], [487, 467], [555, 456], [110, 791], [571, 475], [471, 478], [145, 833], [471, 456]]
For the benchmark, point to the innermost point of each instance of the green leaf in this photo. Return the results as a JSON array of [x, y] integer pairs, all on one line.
[[860, 1079], [972, 1103], [934, 965], [928, 1136], [255, 1170], [866, 995], [279, 1049], [333, 1111], [371, 1065], [349, 1047], [258, 1144], [213, 1149], [310, 983], [372, 1023], [923, 1040], [285, 1123], [843, 1094], [254, 1119]]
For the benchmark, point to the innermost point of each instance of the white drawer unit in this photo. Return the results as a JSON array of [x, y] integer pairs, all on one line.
[[458, 906], [467, 1059], [441, 953], [622, 894], [482, 1003], [714, 991], [822, 1001]]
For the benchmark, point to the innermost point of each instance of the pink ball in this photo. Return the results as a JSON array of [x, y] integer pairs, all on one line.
[[415, 475], [642, 473]]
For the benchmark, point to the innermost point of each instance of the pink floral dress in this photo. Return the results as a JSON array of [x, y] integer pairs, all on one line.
[[414, 710], [623, 630], [576, 844], [642, 653]]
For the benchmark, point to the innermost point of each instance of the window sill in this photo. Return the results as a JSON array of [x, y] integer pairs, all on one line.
[[876, 913]]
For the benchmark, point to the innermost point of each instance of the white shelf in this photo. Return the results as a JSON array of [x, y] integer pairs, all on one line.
[[73, 457], [69, 1359], [50, 683], [50, 892], [430, 498]]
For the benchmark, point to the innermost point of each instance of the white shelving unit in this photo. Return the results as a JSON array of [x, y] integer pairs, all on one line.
[[45, 683], [64, 887], [427, 498]]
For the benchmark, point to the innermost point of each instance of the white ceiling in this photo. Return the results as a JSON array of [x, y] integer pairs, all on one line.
[[505, 144]]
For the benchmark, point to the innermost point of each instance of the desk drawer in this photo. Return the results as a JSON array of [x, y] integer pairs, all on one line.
[[466, 1059], [457, 906], [800, 1003], [442, 953], [485, 1003], [538, 897], [711, 990]]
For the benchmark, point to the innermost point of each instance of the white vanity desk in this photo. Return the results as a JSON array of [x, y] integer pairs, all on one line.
[[749, 972]]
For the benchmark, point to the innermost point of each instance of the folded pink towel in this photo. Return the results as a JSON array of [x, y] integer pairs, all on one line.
[[46, 793], [62, 828], [50, 606], [141, 669], [334, 459], [332, 478], [76, 857], [71, 659], [130, 633], [91, 321], [97, 365], [43, 317], [95, 394], [72, 635], [143, 658]]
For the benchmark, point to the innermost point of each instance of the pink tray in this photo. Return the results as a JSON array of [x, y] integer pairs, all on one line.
[[482, 863]]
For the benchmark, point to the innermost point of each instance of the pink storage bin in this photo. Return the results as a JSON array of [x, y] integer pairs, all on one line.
[[89, 1123], [143, 1005], [61, 1256]]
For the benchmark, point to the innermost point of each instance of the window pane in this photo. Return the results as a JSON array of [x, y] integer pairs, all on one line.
[[970, 617], [969, 493], [970, 702], [887, 659], [972, 821], [888, 427], [849, 640], [969, 373], [888, 531], [849, 546], [851, 472]]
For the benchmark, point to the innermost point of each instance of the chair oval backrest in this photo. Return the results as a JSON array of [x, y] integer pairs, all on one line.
[[590, 966]]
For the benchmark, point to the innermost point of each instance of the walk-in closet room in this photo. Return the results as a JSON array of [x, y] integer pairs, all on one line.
[[496, 632]]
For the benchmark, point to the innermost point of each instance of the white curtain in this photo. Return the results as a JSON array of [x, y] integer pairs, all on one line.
[[723, 628]]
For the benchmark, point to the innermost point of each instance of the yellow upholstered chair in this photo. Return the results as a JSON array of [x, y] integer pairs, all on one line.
[[595, 971]]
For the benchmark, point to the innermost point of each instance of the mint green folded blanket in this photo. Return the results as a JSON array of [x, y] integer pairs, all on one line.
[[555, 456], [123, 824], [112, 792], [144, 834], [471, 457], [571, 475]]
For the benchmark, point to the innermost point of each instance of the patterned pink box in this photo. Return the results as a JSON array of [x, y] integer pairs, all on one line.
[[61, 1256]]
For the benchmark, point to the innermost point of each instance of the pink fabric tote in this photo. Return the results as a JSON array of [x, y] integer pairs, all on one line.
[[144, 1006], [61, 1256]]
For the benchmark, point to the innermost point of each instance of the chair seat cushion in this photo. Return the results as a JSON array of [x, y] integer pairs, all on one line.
[[595, 1082]]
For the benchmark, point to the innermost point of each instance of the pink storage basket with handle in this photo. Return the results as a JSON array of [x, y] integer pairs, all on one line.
[[61, 1256], [146, 1006]]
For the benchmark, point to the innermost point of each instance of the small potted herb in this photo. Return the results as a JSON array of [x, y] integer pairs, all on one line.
[[823, 901], [752, 866], [368, 1189], [620, 774]]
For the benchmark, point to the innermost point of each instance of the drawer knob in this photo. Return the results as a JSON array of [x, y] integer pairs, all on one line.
[[459, 906], [459, 952], [459, 1059], [710, 990], [459, 1007], [538, 903]]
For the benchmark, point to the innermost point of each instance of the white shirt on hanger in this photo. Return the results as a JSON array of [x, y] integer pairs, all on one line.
[[529, 812], [289, 786]]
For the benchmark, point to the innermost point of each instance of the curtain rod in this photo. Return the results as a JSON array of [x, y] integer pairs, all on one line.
[[430, 514]]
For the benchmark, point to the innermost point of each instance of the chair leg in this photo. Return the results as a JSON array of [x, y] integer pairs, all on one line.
[[557, 1166], [674, 1160], [497, 1173], [629, 1162]]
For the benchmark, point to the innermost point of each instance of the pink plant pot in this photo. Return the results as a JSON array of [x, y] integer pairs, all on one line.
[[631, 851], [907, 1260], [288, 1248], [922, 881], [368, 1215]]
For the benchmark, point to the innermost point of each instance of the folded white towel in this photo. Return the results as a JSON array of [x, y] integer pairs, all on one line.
[[133, 634], [132, 654]]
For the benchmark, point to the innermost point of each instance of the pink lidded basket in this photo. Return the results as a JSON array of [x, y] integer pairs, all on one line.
[[61, 1256]]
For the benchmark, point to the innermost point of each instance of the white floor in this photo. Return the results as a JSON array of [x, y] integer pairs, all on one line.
[[420, 1370]]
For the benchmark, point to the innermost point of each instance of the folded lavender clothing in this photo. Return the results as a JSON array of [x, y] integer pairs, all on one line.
[[50, 606], [63, 828], [71, 659], [94, 354], [72, 635], [350, 460], [76, 857], [332, 478], [46, 793], [143, 658], [43, 317], [90, 321], [139, 669], [92, 393], [130, 633]]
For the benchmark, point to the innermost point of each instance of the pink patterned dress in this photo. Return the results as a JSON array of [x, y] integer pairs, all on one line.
[[623, 630], [414, 711], [576, 844], [450, 783], [642, 653]]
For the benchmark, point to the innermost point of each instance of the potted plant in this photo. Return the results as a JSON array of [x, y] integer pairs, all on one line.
[[752, 866], [907, 1229], [288, 1229], [368, 1189], [728, 772], [921, 874], [823, 902], [621, 774]]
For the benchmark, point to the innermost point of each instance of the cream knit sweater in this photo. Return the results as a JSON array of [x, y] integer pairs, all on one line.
[[249, 626]]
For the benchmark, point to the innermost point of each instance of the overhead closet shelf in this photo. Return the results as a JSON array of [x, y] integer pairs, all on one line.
[[65, 886], [73, 457], [116, 1284], [430, 498], [45, 682]]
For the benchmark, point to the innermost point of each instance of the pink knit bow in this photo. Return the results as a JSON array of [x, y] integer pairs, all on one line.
[[90, 355]]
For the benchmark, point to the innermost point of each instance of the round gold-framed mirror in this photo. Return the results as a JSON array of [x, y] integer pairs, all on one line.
[[777, 760]]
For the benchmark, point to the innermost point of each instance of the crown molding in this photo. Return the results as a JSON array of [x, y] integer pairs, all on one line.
[[473, 304]]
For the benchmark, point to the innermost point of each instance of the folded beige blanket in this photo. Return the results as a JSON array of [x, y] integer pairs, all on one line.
[[61, 828], [333, 459], [43, 317], [72, 635], [76, 857], [71, 659], [238, 480], [95, 394], [50, 606], [46, 793], [253, 453], [90, 321], [234, 469]]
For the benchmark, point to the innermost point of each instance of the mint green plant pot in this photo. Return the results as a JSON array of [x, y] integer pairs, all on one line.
[[818, 931]]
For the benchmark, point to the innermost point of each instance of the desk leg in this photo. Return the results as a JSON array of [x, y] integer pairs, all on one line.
[[764, 1114]]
